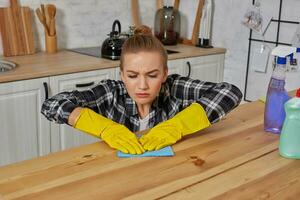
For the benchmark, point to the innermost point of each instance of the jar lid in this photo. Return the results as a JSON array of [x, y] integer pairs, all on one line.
[[298, 93]]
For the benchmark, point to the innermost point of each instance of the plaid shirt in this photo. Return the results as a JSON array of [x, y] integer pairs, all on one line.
[[110, 99]]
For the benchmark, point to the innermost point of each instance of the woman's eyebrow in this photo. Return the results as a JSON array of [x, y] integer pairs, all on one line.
[[131, 71], [155, 70]]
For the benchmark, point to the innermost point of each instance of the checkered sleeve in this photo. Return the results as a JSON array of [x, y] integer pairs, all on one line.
[[58, 107], [216, 98]]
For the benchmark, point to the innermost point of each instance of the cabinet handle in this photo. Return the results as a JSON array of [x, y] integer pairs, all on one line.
[[46, 90], [189, 67], [85, 84]]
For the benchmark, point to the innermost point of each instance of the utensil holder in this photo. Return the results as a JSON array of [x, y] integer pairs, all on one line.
[[51, 43]]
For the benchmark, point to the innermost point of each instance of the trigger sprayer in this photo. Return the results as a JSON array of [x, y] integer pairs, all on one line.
[[277, 95]]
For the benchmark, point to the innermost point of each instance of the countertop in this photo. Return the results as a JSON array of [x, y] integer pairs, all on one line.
[[42, 65], [232, 159]]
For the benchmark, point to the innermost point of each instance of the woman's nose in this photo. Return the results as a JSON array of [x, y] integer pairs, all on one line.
[[143, 83]]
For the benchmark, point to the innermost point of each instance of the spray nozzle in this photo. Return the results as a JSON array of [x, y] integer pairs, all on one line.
[[283, 51]]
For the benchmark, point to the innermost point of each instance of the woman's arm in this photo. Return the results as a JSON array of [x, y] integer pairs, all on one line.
[[59, 107], [74, 116], [217, 99]]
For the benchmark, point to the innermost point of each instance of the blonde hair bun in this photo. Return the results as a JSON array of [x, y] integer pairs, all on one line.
[[142, 30]]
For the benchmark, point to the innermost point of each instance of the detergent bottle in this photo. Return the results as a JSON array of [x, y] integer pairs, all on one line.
[[289, 145], [277, 95]]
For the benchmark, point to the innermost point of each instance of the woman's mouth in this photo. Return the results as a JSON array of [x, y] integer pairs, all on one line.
[[142, 95]]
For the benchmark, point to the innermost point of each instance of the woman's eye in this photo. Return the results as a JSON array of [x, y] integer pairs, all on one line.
[[153, 76], [132, 76]]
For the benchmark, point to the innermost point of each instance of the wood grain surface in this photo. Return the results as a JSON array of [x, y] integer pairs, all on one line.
[[16, 30], [233, 159]]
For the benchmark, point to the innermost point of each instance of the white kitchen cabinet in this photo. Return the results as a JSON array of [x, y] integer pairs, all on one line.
[[206, 68], [24, 133], [64, 136], [176, 67]]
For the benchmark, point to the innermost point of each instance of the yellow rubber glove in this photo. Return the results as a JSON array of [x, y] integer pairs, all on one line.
[[115, 135], [193, 118]]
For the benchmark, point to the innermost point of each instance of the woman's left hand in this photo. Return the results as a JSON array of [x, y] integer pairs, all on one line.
[[190, 120], [162, 135]]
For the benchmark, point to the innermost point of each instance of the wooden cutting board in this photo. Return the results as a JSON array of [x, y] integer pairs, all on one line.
[[16, 30]]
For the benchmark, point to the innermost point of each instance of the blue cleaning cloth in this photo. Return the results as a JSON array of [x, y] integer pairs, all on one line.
[[166, 151]]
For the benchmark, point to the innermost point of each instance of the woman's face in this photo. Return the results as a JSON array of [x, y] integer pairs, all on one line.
[[143, 74]]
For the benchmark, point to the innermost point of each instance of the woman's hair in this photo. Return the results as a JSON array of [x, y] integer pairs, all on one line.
[[143, 40]]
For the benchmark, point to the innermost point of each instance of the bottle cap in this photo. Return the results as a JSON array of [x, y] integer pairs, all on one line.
[[281, 60], [298, 93]]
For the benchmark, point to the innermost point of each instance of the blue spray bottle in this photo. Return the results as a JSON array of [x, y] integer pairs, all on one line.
[[277, 95]]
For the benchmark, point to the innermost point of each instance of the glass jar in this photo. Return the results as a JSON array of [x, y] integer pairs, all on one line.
[[167, 25]]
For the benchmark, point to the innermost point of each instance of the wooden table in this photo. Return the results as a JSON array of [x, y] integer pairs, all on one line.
[[233, 159]]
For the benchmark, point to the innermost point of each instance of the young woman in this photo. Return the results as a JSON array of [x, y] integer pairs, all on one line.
[[147, 98]]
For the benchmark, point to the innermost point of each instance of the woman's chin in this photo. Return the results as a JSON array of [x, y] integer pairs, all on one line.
[[143, 100]]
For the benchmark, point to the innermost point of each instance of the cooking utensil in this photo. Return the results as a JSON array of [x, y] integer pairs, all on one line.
[[176, 4], [51, 12], [46, 16], [159, 4], [42, 19], [135, 13], [16, 30], [196, 27]]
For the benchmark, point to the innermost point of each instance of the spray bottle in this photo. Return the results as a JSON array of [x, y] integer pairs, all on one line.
[[289, 145], [277, 95]]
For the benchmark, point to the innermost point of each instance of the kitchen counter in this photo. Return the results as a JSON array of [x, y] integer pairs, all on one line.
[[42, 65], [233, 159]]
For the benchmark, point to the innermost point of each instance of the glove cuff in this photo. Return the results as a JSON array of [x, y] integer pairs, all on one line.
[[92, 122], [193, 118]]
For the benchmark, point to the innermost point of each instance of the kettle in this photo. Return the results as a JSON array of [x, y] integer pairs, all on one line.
[[112, 46]]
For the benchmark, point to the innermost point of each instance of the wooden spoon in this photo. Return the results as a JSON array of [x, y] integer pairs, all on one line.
[[51, 12], [51, 9], [42, 19]]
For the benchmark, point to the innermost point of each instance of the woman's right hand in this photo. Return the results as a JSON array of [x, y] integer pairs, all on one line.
[[120, 137], [115, 135]]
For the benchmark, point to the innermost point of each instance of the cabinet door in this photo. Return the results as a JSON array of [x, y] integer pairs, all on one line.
[[64, 136], [176, 67], [24, 132], [206, 68]]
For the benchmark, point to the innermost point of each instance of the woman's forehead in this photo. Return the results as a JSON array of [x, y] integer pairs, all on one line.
[[145, 61]]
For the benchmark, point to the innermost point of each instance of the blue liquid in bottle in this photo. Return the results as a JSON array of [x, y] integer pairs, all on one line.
[[276, 97]]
